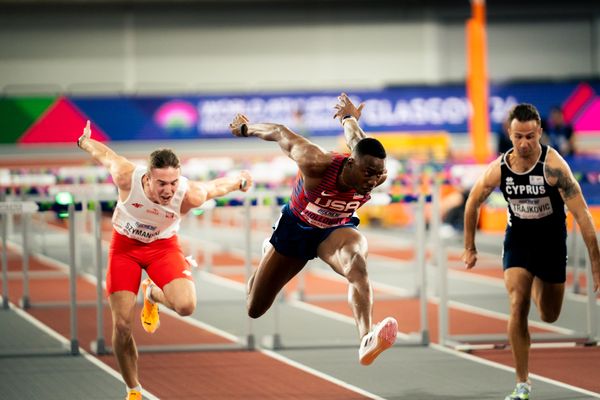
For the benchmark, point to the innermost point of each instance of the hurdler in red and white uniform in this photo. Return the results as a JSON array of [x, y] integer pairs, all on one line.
[[137, 217], [146, 220], [145, 234]]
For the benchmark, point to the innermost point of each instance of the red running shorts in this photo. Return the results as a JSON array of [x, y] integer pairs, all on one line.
[[162, 259]]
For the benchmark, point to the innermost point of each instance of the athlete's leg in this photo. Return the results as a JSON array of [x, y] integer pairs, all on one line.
[[171, 273], [122, 304], [548, 298], [274, 271], [518, 282], [179, 295], [122, 283], [345, 250]]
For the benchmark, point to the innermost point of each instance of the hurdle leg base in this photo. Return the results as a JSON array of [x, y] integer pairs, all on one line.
[[25, 303], [98, 347], [74, 347]]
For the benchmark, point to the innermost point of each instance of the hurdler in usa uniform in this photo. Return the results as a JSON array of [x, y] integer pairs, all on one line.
[[319, 220], [537, 183]]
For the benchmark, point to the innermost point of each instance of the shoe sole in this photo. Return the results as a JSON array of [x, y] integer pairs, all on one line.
[[145, 324], [385, 339]]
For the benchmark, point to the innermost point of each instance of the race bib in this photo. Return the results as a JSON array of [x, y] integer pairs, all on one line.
[[323, 217], [531, 208]]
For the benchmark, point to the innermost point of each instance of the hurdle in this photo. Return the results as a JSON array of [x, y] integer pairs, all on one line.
[[91, 198], [276, 341], [246, 342], [8, 209], [78, 205], [575, 245]]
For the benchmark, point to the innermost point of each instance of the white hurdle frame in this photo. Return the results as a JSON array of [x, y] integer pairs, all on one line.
[[275, 341], [27, 208], [246, 342]]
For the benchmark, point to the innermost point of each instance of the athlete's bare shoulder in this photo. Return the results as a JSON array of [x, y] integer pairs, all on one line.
[[315, 163], [558, 173], [122, 173]]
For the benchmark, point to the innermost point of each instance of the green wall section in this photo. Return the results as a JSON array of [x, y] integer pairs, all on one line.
[[18, 114]]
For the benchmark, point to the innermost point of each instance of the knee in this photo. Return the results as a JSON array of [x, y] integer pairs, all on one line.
[[549, 315], [255, 310], [122, 328], [356, 270], [519, 306], [185, 308]]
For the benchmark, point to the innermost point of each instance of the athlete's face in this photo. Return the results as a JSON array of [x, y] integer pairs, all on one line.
[[366, 172], [525, 137], [162, 184]]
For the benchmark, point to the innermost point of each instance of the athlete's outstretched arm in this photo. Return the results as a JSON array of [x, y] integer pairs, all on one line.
[[349, 116], [484, 186], [559, 173], [119, 167], [309, 156], [199, 192], [222, 186]]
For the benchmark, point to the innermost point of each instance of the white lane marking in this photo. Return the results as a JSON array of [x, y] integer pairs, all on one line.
[[67, 343], [503, 367], [320, 374], [216, 331], [485, 279]]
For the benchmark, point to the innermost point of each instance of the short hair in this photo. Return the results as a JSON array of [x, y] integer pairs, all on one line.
[[163, 158], [369, 147], [524, 112]]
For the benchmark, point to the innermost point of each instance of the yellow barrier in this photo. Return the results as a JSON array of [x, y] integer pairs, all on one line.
[[430, 146]]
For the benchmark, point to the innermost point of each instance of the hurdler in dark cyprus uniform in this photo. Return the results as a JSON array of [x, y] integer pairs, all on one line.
[[536, 230]]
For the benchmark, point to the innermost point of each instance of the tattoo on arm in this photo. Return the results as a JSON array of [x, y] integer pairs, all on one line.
[[564, 182]]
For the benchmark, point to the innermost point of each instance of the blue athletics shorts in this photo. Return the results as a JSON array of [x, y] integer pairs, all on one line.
[[292, 237], [541, 253]]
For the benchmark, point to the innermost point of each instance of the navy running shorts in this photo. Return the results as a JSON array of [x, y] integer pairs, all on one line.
[[292, 237], [541, 253]]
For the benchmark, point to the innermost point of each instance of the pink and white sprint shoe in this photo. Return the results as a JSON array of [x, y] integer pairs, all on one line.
[[381, 338]]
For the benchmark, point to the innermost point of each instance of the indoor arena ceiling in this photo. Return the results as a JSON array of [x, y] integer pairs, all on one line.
[[518, 9]]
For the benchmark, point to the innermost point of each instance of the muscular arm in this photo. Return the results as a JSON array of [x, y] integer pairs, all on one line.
[[559, 174], [119, 167], [200, 192], [353, 133], [484, 186], [349, 115], [311, 158]]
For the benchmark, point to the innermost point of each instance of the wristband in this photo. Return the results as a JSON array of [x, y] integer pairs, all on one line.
[[244, 130], [347, 118]]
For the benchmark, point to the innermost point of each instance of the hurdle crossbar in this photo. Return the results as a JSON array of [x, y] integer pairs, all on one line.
[[490, 341], [276, 341]]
